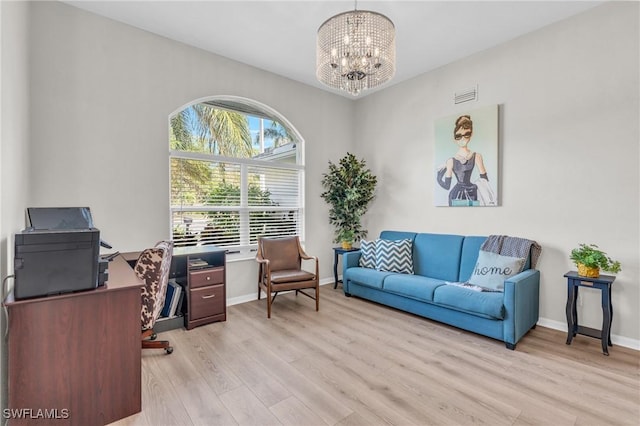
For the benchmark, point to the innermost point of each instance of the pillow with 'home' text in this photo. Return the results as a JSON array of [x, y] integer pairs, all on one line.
[[368, 254], [492, 269]]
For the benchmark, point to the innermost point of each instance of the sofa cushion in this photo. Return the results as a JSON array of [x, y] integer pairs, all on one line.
[[437, 256], [368, 254], [486, 304], [397, 235], [470, 249], [415, 286], [394, 256], [492, 269], [366, 276]]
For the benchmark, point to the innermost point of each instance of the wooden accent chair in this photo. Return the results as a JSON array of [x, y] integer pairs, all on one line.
[[280, 269], [153, 266]]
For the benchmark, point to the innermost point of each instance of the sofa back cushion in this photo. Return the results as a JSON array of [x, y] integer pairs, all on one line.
[[438, 256], [397, 235], [470, 250]]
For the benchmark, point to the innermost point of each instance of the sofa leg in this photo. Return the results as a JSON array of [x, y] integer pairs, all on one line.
[[348, 294], [511, 346]]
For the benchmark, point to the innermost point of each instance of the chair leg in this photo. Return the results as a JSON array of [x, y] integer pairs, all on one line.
[[317, 298], [149, 342], [268, 306], [148, 334]]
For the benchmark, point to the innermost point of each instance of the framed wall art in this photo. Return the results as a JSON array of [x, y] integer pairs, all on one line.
[[466, 159]]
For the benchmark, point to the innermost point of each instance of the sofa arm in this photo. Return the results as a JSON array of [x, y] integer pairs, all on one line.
[[521, 303], [350, 259]]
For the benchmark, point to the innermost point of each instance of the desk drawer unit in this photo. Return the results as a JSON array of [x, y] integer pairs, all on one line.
[[205, 277], [206, 297], [207, 301]]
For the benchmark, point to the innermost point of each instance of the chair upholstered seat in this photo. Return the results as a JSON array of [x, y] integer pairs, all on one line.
[[290, 275], [280, 269]]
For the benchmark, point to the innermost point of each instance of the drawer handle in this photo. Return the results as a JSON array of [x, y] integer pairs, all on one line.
[[208, 278], [209, 297]]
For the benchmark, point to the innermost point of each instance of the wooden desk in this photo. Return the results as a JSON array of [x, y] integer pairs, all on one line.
[[76, 358]]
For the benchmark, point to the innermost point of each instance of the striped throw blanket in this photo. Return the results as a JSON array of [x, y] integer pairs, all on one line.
[[513, 246]]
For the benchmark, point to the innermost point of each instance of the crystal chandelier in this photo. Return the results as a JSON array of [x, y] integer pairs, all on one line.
[[356, 51]]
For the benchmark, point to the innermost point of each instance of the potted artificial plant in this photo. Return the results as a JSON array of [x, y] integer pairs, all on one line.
[[590, 259], [349, 187]]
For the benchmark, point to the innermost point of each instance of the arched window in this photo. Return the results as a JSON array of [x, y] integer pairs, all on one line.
[[237, 173]]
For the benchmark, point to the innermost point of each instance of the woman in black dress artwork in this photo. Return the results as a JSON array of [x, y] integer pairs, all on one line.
[[462, 165]]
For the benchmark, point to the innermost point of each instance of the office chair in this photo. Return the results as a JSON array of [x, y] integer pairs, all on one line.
[[280, 269], [153, 266]]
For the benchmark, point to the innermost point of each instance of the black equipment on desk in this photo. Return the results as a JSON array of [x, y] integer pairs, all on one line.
[[58, 253]]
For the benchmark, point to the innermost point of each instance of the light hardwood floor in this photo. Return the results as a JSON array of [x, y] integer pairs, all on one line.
[[359, 363]]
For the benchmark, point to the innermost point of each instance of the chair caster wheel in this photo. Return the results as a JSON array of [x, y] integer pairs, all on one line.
[[169, 350], [154, 336]]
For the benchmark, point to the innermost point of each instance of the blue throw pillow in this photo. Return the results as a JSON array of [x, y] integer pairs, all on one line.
[[394, 256], [492, 270], [368, 254]]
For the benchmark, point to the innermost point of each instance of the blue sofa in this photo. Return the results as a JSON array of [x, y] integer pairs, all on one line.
[[439, 258]]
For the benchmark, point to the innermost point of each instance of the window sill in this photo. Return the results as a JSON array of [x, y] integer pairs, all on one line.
[[241, 257]]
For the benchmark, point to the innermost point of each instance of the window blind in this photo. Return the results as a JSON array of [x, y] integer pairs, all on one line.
[[231, 202]]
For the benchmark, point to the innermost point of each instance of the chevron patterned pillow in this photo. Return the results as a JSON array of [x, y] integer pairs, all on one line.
[[394, 256], [368, 254]]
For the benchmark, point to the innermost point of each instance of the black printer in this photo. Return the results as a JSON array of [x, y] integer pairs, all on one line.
[[58, 253]]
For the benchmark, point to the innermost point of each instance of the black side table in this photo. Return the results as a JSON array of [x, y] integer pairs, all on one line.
[[338, 251], [603, 283]]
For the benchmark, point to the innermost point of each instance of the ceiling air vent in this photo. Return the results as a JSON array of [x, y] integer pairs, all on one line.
[[466, 95]]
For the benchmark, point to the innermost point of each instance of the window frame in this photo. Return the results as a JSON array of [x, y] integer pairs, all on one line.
[[245, 250]]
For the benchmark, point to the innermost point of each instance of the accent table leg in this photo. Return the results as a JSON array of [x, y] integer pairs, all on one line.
[[571, 311], [606, 320], [610, 315], [335, 270]]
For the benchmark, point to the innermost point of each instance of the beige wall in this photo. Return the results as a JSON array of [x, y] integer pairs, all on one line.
[[14, 144], [568, 97], [102, 93]]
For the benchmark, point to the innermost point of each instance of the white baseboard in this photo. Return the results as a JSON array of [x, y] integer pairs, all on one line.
[[615, 339]]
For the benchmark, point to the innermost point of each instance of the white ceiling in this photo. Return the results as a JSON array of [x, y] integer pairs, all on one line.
[[280, 36]]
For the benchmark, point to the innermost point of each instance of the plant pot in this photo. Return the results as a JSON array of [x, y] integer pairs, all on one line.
[[586, 271], [346, 245]]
